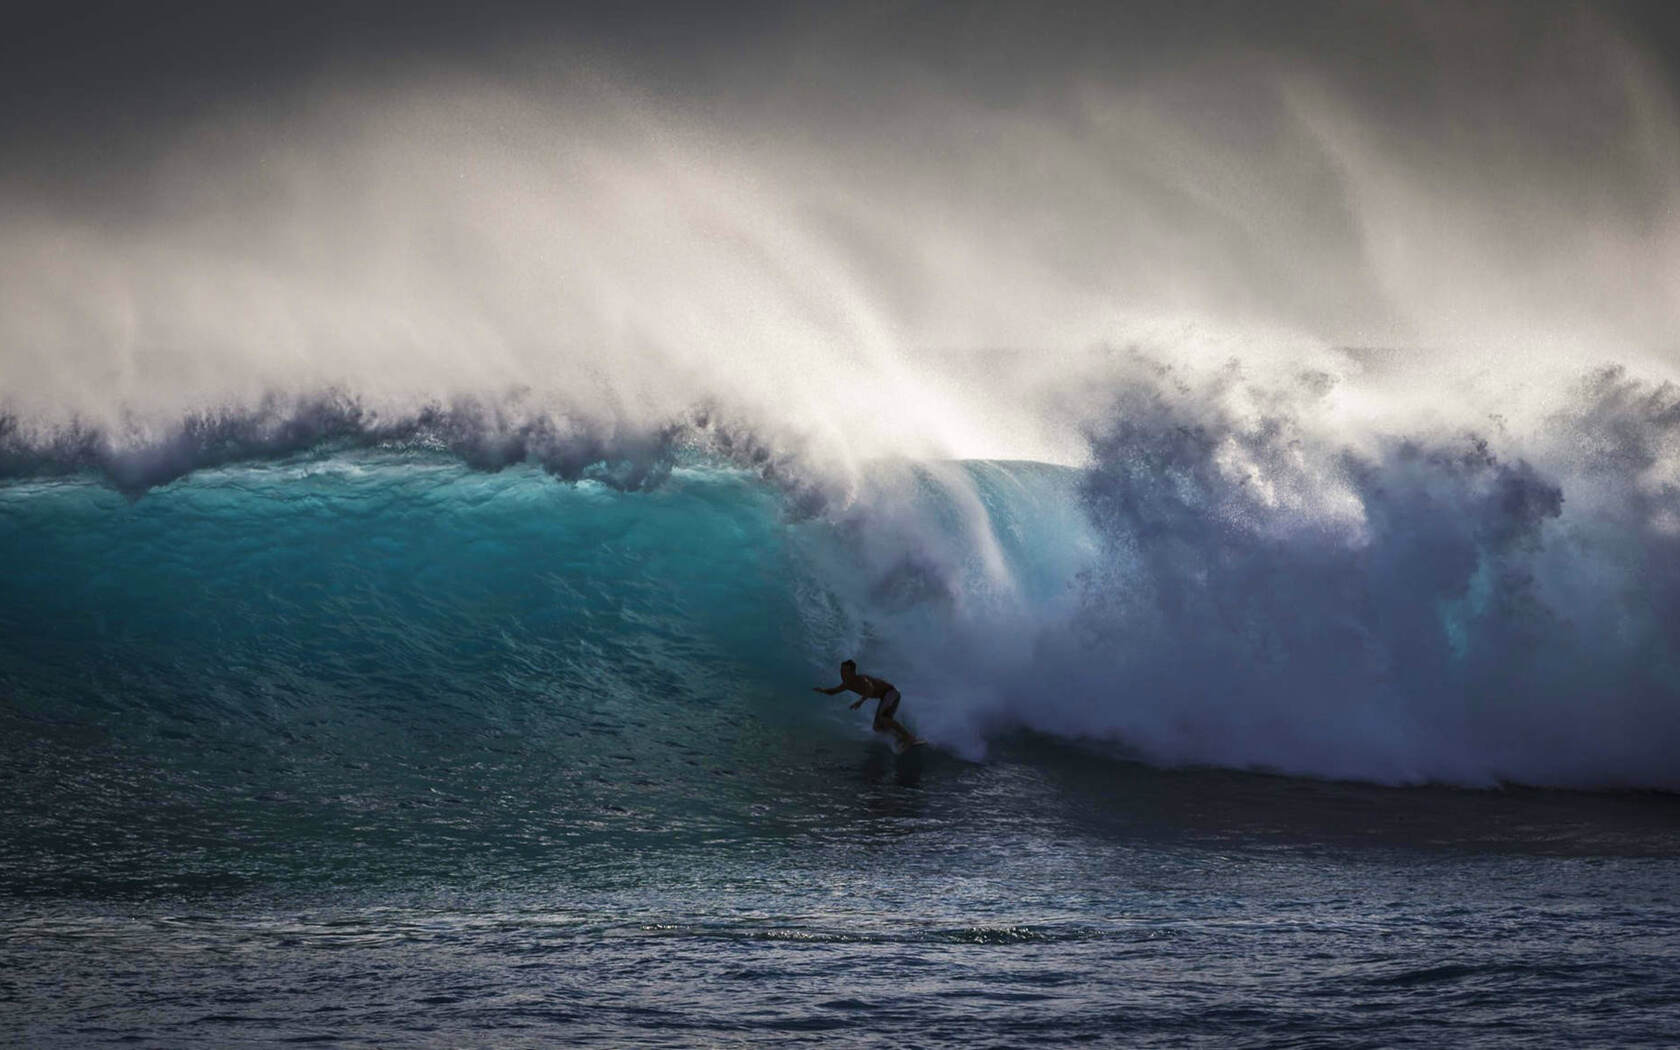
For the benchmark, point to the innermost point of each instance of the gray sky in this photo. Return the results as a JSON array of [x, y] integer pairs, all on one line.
[[202, 203]]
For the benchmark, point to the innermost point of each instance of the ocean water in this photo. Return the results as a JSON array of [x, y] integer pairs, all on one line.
[[368, 746]]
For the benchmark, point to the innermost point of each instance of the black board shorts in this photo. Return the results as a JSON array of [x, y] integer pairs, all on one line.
[[889, 704]]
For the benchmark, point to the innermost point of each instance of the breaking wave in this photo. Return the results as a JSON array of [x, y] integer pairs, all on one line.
[[1223, 581]]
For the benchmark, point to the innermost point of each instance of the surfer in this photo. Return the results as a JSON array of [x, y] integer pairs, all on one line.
[[877, 689]]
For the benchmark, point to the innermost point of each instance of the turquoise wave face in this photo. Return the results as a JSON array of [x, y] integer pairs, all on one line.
[[358, 627], [369, 591], [396, 590]]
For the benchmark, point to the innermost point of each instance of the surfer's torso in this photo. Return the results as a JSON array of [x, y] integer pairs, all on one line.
[[869, 688]]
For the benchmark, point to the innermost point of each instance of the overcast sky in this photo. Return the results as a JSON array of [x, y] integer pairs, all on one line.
[[69, 70]]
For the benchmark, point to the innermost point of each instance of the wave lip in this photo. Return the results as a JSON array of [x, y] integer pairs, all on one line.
[[488, 434]]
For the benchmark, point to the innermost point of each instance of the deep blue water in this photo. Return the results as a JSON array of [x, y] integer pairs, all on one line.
[[373, 749]]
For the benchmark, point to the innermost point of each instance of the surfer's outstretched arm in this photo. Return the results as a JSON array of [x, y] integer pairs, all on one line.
[[841, 688]]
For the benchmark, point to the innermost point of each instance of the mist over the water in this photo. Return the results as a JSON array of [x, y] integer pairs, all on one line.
[[1358, 320], [896, 230]]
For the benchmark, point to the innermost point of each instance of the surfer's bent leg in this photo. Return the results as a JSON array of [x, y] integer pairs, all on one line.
[[885, 709]]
